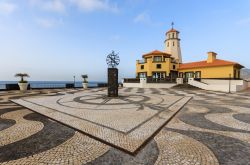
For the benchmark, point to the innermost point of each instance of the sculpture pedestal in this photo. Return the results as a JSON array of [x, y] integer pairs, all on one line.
[[113, 82]]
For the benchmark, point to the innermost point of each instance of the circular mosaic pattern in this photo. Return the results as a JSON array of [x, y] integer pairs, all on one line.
[[102, 102]]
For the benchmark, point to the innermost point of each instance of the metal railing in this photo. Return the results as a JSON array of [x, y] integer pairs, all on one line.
[[142, 61], [150, 80], [46, 85], [132, 80], [2, 87], [161, 80]]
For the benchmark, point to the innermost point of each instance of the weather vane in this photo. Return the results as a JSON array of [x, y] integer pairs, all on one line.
[[113, 59], [172, 24]]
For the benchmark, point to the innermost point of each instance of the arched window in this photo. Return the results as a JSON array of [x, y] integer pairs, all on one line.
[[173, 43], [168, 44], [172, 35]]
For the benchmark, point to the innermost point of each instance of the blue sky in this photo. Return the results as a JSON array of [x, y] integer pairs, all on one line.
[[57, 39]]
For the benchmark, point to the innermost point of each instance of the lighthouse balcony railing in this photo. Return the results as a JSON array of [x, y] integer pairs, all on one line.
[[142, 61]]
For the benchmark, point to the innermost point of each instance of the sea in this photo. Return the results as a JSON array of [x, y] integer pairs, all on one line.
[[50, 84]]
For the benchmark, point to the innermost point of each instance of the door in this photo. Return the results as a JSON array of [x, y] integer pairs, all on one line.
[[188, 75]]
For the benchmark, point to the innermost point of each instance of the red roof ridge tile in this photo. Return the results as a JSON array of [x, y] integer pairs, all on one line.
[[197, 64], [156, 52], [172, 30]]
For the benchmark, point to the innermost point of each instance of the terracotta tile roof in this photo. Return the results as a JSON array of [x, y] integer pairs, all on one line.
[[200, 64], [172, 30], [156, 52]]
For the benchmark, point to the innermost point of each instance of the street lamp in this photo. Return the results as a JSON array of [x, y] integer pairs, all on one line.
[[229, 83], [74, 81]]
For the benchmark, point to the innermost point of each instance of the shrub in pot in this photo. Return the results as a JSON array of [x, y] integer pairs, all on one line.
[[23, 84], [85, 82]]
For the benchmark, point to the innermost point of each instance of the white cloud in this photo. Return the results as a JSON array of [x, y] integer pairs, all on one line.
[[48, 23], [243, 22], [92, 5], [115, 37], [7, 8], [55, 5], [84, 5], [50, 5], [143, 18]]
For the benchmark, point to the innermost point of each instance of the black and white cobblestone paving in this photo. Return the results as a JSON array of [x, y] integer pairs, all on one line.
[[212, 128]]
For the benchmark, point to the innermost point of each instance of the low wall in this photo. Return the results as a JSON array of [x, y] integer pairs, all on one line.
[[132, 85], [219, 85], [223, 82], [159, 85], [143, 84]]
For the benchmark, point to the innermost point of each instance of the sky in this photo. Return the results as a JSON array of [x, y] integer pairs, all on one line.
[[54, 40]]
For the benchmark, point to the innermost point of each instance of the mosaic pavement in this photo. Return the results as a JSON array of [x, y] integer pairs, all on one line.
[[126, 122], [143, 126]]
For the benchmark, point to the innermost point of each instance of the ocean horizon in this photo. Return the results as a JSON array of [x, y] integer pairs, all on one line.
[[51, 84]]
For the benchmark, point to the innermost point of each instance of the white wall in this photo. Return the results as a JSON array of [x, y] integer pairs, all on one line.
[[159, 85], [132, 85], [248, 84], [219, 85], [143, 84], [216, 81]]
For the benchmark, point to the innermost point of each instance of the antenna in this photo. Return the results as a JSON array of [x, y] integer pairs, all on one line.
[[172, 24]]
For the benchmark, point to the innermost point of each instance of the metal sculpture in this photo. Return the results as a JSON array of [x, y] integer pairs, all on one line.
[[113, 61]]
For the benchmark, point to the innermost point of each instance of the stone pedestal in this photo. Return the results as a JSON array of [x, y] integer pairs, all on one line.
[[179, 80], [113, 82]]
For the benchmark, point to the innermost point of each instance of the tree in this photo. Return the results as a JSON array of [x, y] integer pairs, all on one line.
[[22, 75], [85, 76]]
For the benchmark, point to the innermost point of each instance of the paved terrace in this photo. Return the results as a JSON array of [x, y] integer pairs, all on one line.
[[142, 126]]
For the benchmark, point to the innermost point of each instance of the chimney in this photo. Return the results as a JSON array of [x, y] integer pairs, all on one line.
[[211, 57]]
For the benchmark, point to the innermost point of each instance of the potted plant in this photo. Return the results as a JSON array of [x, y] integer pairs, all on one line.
[[23, 84], [85, 82]]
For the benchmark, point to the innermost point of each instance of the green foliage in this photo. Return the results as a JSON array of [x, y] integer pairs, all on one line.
[[22, 75], [85, 76]]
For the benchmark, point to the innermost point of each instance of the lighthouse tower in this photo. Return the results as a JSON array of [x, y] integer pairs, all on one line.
[[172, 44]]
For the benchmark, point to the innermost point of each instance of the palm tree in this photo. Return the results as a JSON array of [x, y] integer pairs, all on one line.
[[22, 75], [85, 76]]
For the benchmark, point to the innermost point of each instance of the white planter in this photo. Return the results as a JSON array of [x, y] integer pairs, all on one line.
[[23, 86], [85, 85]]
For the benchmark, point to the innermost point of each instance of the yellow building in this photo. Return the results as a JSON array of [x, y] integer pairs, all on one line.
[[168, 64], [157, 65]]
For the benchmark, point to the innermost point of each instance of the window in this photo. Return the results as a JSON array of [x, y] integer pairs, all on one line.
[[169, 36], [173, 35], [168, 44], [173, 66], [189, 74], [142, 75], [157, 58], [181, 74], [158, 66], [142, 66], [173, 43], [198, 74], [238, 74], [159, 75]]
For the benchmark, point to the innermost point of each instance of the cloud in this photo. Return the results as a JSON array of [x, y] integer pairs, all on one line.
[[243, 22], [7, 8], [93, 5], [115, 37], [55, 5], [50, 5], [143, 18], [48, 23], [84, 5]]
